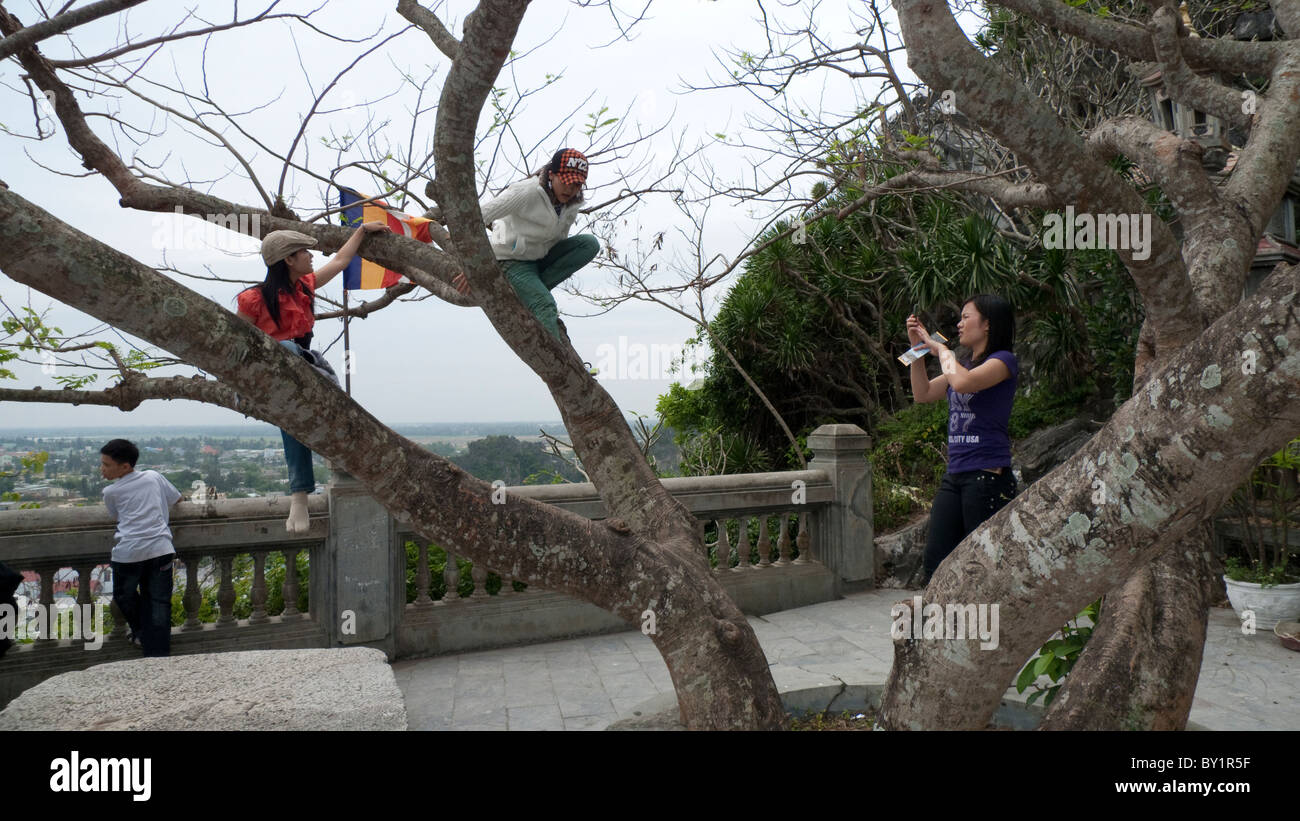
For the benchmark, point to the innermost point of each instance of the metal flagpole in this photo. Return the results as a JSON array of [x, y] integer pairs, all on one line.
[[347, 347]]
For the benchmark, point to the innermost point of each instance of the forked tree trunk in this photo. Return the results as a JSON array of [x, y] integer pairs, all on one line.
[[1140, 667], [646, 557], [1057, 546], [656, 563]]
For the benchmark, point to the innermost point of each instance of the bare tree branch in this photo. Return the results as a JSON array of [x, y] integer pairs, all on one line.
[[429, 23], [367, 308], [28, 36], [173, 35], [1182, 83], [1174, 163], [1134, 42], [941, 54], [413, 259], [129, 393]]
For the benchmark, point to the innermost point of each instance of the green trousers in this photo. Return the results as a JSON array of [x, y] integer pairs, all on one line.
[[534, 279]]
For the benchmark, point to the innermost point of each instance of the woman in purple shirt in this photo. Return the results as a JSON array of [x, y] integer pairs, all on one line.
[[979, 392]]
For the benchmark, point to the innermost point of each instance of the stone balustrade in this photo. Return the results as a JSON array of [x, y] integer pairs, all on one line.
[[774, 540]]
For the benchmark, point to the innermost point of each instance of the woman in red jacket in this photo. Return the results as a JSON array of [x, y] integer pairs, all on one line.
[[283, 306]]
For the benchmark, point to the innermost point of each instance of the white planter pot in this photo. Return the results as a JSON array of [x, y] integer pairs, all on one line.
[[1280, 602]]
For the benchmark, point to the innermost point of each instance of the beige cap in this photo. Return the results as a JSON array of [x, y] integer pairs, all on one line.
[[280, 244]]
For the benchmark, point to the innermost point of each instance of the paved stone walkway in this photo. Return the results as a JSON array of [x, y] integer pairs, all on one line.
[[1247, 682]]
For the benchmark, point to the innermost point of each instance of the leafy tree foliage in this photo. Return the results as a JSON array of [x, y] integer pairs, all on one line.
[[511, 460]]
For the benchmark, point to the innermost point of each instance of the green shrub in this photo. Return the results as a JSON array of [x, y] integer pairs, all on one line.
[[910, 452], [1264, 575], [1057, 656], [1038, 409]]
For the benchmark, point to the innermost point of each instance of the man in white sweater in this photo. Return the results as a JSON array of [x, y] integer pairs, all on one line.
[[530, 224]]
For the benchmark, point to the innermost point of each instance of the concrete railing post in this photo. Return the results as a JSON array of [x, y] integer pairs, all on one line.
[[842, 533], [364, 584]]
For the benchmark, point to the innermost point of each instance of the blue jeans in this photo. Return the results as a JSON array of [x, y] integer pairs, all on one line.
[[533, 279], [148, 611], [964, 501], [296, 454]]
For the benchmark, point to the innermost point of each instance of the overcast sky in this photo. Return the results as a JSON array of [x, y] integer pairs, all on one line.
[[424, 361]]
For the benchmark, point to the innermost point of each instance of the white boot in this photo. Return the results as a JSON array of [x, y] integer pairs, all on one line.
[[297, 521]]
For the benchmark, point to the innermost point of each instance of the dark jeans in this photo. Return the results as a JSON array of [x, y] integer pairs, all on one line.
[[9, 582], [149, 611], [964, 501]]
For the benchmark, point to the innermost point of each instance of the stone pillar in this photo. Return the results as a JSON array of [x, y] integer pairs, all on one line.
[[363, 586], [842, 534]]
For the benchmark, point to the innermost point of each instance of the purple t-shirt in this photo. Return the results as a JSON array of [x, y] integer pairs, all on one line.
[[977, 422]]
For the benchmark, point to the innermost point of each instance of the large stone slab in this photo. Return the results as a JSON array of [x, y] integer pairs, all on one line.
[[321, 689]]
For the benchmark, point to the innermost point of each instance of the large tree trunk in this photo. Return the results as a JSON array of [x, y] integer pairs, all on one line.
[[646, 556], [714, 657], [1086, 547], [1140, 667], [1055, 548]]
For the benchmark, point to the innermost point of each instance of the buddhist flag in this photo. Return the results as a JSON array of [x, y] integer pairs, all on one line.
[[362, 274]]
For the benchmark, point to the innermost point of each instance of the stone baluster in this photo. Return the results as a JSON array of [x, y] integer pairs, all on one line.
[[803, 541], [257, 595], [290, 589], [47, 598], [742, 547], [226, 592], [84, 573], [193, 598], [451, 578], [764, 544], [119, 620], [85, 614], [783, 540], [479, 574], [700, 525], [422, 578], [724, 546], [507, 586]]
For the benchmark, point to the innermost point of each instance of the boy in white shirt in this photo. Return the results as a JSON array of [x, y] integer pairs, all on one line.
[[143, 554]]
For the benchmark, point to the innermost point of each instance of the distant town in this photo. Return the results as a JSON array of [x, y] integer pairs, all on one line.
[[60, 468]]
